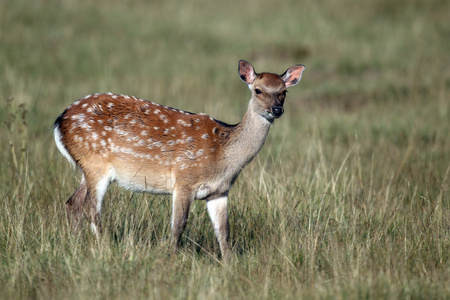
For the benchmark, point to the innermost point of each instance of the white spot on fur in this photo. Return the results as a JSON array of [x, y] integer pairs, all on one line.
[[140, 143], [85, 126], [79, 117], [121, 132], [126, 150], [205, 136], [190, 154]]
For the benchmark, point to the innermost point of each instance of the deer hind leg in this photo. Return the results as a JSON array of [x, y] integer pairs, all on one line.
[[96, 190], [218, 212], [181, 203], [75, 204]]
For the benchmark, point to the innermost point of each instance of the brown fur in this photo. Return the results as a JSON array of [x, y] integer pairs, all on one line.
[[148, 147]]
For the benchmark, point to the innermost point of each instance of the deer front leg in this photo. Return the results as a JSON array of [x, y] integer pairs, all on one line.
[[180, 211], [218, 212]]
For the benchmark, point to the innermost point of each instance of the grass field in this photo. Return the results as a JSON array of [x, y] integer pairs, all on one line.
[[349, 198]]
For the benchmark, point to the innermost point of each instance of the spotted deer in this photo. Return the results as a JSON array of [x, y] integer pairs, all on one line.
[[148, 147]]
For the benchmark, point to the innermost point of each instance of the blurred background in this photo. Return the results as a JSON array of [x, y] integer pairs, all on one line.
[[374, 69]]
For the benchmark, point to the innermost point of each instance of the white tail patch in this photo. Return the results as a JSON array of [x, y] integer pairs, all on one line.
[[61, 147]]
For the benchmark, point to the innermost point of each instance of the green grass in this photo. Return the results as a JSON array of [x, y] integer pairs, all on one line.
[[349, 198]]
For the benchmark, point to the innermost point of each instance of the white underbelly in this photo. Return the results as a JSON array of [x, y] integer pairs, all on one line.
[[144, 184]]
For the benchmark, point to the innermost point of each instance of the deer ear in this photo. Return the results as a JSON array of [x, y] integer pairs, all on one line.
[[293, 75], [246, 72]]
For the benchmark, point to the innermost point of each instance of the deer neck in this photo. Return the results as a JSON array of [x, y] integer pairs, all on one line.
[[246, 140]]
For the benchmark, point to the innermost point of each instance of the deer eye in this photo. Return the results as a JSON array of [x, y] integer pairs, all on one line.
[[258, 91]]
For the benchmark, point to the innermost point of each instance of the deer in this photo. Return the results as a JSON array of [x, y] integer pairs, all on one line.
[[147, 147]]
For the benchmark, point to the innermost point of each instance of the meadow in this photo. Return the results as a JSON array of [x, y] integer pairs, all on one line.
[[348, 199]]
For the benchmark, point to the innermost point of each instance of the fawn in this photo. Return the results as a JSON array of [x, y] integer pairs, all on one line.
[[148, 147]]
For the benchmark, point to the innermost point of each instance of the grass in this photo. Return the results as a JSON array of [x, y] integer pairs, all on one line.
[[349, 197]]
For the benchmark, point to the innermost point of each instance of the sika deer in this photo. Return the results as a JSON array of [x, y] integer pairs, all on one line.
[[144, 146]]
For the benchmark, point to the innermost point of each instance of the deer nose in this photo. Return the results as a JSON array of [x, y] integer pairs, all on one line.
[[277, 111]]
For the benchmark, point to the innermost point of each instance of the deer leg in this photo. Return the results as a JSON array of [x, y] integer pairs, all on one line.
[[180, 211], [217, 209], [92, 212], [74, 206], [94, 197]]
